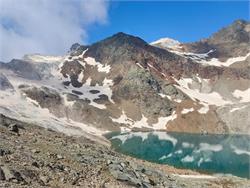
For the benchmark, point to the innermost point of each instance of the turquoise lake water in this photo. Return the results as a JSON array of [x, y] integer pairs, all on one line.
[[227, 154]]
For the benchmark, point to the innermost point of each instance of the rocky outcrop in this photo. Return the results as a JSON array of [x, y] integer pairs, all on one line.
[[231, 41], [237, 117]]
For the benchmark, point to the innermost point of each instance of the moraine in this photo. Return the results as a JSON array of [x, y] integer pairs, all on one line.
[[212, 154]]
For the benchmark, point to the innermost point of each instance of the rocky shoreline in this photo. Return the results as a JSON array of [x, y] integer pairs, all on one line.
[[31, 156]]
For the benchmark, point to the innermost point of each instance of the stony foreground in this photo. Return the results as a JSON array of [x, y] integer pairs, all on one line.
[[31, 156]]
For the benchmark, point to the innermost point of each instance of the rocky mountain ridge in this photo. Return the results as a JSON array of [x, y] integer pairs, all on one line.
[[123, 83]]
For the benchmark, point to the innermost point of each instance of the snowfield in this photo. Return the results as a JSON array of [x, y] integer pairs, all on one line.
[[212, 98], [143, 123]]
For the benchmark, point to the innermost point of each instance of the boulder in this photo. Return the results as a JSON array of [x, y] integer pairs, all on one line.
[[10, 174], [14, 128]]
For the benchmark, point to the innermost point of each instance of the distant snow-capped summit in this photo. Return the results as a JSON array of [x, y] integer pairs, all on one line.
[[167, 43], [42, 58]]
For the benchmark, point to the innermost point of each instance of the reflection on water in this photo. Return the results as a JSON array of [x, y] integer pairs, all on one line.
[[228, 154]]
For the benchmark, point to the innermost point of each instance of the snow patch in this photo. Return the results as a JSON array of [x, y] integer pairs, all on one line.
[[194, 56], [66, 102], [164, 96], [80, 77], [202, 58], [204, 109], [162, 122], [32, 101], [125, 129], [237, 108], [88, 81], [143, 123], [243, 96], [187, 110], [213, 98], [100, 67], [78, 58], [178, 100], [230, 61], [139, 65], [123, 119]]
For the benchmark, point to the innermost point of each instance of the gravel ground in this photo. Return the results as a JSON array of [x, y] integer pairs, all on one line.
[[33, 157]]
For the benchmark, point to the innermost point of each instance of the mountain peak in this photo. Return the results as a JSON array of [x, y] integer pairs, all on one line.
[[120, 42], [167, 43], [121, 34], [230, 41], [120, 39], [240, 22], [236, 32]]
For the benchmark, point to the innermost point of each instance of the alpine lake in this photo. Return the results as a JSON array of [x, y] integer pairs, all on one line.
[[211, 154]]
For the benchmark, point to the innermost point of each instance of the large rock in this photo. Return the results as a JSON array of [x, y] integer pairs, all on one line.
[[2, 175], [9, 174]]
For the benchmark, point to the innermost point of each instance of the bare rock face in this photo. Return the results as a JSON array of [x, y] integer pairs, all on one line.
[[231, 41], [72, 69], [140, 87], [237, 117], [44, 96]]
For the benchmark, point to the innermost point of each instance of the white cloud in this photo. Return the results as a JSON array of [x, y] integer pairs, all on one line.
[[46, 26]]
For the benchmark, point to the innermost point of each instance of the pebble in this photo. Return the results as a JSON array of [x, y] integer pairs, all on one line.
[[44, 179], [59, 157], [35, 151], [35, 164], [4, 152]]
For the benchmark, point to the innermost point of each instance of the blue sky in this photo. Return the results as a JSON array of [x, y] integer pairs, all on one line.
[[51, 27], [184, 21]]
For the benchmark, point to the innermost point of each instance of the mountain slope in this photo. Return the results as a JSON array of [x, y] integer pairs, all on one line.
[[34, 157], [228, 46], [123, 83]]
